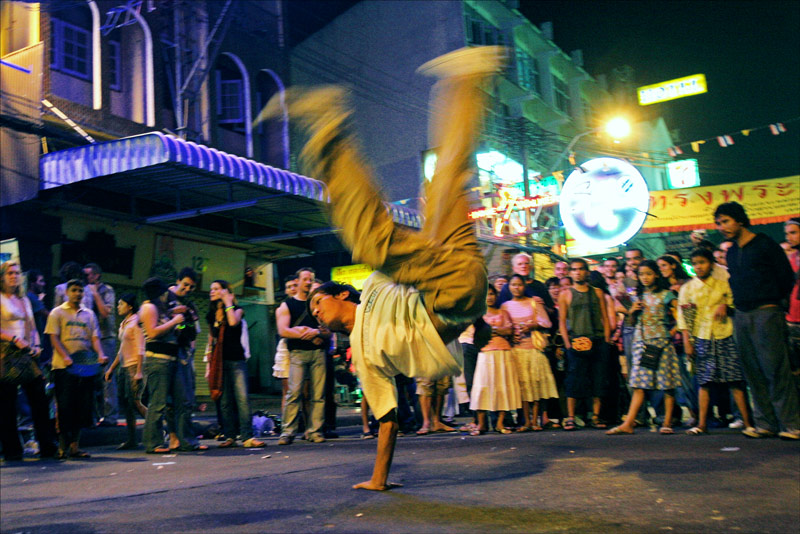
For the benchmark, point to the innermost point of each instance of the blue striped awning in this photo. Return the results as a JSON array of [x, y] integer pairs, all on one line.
[[141, 151], [161, 167]]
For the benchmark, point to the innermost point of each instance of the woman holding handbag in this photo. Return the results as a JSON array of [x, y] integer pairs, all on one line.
[[655, 364], [529, 319], [228, 365], [19, 348]]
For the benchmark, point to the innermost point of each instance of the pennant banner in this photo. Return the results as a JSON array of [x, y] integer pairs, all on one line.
[[766, 201]]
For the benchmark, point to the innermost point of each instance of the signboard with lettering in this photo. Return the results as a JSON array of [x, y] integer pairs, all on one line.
[[508, 207], [672, 89], [604, 203], [766, 201], [683, 173], [355, 275]]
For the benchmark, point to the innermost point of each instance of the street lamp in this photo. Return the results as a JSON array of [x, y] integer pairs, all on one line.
[[617, 128]]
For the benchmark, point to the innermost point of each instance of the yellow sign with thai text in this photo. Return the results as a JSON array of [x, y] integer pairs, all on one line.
[[766, 201], [355, 275], [672, 89]]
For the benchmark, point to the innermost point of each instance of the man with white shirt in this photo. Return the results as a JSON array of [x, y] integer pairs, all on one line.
[[429, 285]]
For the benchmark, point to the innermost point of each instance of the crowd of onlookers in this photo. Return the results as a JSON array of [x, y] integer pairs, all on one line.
[[630, 341]]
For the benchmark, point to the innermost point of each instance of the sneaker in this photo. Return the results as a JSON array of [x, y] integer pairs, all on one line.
[[737, 423], [757, 433], [789, 435], [316, 438], [285, 440]]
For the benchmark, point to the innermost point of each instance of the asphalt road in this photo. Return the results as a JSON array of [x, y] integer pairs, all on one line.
[[551, 481]]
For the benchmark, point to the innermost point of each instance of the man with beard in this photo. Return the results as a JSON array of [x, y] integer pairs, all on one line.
[[761, 278]]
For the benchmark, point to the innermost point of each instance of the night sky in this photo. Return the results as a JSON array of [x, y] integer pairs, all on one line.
[[749, 52]]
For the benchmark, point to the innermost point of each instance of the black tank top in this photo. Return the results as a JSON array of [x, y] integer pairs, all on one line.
[[297, 309]]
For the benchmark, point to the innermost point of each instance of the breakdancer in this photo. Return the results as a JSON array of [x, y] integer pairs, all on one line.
[[429, 284]]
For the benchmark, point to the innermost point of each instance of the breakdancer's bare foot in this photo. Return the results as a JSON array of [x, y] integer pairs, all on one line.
[[369, 485], [466, 62]]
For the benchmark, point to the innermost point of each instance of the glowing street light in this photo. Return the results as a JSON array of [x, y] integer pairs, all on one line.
[[618, 128]]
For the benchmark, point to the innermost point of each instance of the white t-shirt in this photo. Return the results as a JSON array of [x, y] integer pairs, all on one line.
[[393, 334], [74, 328]]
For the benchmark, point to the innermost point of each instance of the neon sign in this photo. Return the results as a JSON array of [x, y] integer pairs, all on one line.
[[672, 89], [683, 173], [604, 202], [511, 202]]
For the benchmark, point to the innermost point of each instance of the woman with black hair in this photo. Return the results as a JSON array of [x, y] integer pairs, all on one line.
[[161, 359], [672, 270], [655, 363], [130, 358], [495, 387], [228, 365]]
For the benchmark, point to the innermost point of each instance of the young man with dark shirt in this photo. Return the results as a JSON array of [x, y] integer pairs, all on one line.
[[761, 278], [582, 314]]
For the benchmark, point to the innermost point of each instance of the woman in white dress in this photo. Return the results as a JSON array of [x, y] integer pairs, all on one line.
[[495, 386], [530, 320]]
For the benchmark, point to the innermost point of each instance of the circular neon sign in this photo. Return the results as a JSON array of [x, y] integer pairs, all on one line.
[[605, 205]]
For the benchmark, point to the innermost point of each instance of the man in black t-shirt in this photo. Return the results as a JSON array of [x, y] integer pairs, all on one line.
[[761, 279], [306, 343]]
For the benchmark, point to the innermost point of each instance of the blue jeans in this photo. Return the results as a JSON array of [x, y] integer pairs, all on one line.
[[299, 361], [235, 408], [162, 381]]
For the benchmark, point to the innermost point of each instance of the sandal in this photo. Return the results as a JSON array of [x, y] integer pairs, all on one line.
[[477, 432], [537, 428], [618, 431], [524, 429], [369, 435], [424, 431], [230, 442], [665, 430], [503, 430], [595, 423], [159, 450], [552, 425], [569, 423], [696, 431], [79, 454]]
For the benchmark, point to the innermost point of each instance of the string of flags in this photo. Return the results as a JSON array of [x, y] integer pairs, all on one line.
[[726, 140]]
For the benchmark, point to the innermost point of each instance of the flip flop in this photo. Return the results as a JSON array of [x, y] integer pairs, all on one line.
[[569, 424], [617, 431], [79, 454], [696, 431], [424, 431], [665, 430]]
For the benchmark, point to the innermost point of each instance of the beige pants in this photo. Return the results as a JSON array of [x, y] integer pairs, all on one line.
[[443, 260]]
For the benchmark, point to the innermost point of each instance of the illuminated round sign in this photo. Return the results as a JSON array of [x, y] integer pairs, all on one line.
[[604, 202]]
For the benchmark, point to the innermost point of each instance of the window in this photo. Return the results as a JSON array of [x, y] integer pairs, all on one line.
[[69, 49], [561, 94], [480, 31], [115, 65], [230, 98], [588, 113], [527, 73]]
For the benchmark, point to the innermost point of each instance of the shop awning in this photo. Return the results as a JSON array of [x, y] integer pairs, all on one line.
[[160, 179]]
